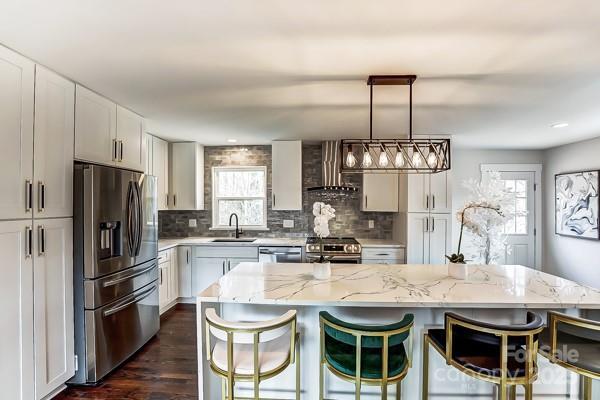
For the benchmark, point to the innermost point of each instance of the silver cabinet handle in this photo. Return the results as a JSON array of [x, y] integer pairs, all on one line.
[[28, 195], [174, 200], [274, 200], [28, 240], [426, 224], [433, 201], [161, 276], [41, 196], [427, 202], [41, 240], [120, 150], [432, 224], [187, 256], [167, 201], [223, 267], [114, 150], [366, 201]]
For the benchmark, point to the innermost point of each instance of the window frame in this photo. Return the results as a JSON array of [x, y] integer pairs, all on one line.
[[215, 198]]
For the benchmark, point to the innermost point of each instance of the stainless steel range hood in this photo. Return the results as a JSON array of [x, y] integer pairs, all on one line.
[[332, 177]]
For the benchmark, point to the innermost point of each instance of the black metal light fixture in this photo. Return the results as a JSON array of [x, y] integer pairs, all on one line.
[[404, 155]]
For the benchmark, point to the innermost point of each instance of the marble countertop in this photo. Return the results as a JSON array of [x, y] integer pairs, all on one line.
[[164, 244], [509, 286]]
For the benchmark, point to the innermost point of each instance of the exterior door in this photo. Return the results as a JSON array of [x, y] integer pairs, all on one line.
[[53, 304], [16, 127], [54, 135], [16, 312]]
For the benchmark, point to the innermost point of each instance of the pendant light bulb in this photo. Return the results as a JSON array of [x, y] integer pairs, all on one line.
[[417, 159], [383, 159], [367, 159], [432, 159], [350, 158], [399, 159]]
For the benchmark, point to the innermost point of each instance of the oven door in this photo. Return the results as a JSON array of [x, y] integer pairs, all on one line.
[[337, 259]]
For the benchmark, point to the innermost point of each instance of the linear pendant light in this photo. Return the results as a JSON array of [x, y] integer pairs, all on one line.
[[409, 156]]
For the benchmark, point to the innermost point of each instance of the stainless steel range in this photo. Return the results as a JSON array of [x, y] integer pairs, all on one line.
[[335, 249]]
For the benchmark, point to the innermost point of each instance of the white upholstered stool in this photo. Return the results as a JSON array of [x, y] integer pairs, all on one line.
[[252, 351]]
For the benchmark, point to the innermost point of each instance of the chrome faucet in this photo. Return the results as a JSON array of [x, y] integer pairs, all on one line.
[[238, 231]]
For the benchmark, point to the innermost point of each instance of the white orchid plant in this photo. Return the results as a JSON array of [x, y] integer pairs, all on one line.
[[323, 213], [484, 216]]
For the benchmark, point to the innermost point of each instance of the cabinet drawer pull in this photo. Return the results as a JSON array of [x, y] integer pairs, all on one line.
[[432, 224], [120, 150], [41, 240], [426, 224], [28, 240], [114, 150], [41, 196], [427, 202], [28, 195], [433, 201]]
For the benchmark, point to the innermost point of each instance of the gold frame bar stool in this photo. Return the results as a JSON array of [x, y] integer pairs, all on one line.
[[252, 351], [505, 355], [574, 344], [365, 354]]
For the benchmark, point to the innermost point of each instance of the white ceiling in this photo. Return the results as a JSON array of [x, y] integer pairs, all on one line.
[[494, 74]]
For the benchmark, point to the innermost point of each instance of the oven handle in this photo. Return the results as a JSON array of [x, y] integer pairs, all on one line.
[[128, 277], [135, 299], [336, 257]]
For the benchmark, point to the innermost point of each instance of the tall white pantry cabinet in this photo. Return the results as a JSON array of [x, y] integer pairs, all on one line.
[[36, 311]]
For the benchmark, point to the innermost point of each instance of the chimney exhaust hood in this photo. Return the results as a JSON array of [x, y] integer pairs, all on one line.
[[332, 163]]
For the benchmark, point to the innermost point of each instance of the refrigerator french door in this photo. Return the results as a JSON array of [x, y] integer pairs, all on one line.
[[115, 267]]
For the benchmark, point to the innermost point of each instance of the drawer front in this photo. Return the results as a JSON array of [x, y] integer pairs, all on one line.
[[226, 252], [164, 256], [382, 261], [382, 253]]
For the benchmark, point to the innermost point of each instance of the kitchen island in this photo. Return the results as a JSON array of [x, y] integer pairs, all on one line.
[[384, 293]]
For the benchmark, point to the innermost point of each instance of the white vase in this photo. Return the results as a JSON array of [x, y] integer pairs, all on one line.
[[322, 270], [458, 271]]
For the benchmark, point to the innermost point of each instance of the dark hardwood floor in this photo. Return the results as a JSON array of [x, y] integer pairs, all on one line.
[[166, 368]]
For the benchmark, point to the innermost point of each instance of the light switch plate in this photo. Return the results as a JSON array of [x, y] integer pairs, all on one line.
[[371, 224], [192, 223], [288, 223]]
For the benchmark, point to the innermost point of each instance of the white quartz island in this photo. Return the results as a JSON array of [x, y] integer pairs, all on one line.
[[384, 293]]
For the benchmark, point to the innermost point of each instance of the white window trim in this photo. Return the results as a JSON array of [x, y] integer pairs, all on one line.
[[539, 212], [215, 211]]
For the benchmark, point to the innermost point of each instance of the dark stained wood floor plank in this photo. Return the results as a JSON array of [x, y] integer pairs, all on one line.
[[164, 369]]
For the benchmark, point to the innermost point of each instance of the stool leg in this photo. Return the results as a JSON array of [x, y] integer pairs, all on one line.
[[230, 388], [528, 391], [384, 389], [256, 390], [587, 388], [399, 390], [357, 388], [503, 394], [223, 389], [513, 392], [425, 361], [321, 366], [297, 371]]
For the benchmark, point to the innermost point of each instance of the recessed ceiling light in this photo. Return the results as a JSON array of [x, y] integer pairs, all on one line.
[[560, 125], [232, 140]]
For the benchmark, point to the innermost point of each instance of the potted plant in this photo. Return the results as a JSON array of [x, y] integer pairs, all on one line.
[[323, 213]]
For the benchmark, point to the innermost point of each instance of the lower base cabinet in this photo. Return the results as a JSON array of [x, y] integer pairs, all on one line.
[[383, 255], [168, 279], [429, 238]]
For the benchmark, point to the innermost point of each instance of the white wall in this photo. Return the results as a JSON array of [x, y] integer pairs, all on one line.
[[575, 259]]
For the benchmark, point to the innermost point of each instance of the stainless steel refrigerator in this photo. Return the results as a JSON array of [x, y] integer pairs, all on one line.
[[115, 267]]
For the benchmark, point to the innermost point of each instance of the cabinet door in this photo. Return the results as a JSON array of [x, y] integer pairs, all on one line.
[[95, 127], [380, 192], [149, 155], [174, 276], [187, 176], [440, 195], [418, 238], [53, 302], [205, 272], [160, 167], [440, 238], [16, 312], [163, 285], [16, 127], [53, 144], [287, 175], [234, 262], [131, 141], [184, 255], [418, 193]]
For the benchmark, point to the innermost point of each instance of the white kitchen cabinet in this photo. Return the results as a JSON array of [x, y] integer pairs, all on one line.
[[16, 312], [184, 255], [383, 255], [160, 169], [16, 126], [53, 304], [429, 193], [168, 279], [234, 262], [130, 139], [380, 192], [174, 276], [212, 262], [441, 193], [95, 127], [429, 238], [53, 145], [205, 272], [286, 173], [149, 154], [163, 285], [187, 176]]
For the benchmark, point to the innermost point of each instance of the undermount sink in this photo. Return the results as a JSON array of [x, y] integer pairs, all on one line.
[[233, 240]]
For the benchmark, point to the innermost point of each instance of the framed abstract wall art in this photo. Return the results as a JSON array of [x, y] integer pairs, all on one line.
[[577, 204]]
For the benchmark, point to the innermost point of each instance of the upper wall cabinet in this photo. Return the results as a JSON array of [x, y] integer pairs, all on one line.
[[187, 176], [380, 192], [95, 127], [287, 175], [130, 139], [430, 193], [148, 154], [53, 145], [160, 169], [16, 127]]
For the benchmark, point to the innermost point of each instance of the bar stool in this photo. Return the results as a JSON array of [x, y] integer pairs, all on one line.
[[502, 354], [369, 354], [252, 351], [573, 343]]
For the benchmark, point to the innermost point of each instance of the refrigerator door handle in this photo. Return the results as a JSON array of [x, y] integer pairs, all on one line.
[[130, 219], [139, 217]]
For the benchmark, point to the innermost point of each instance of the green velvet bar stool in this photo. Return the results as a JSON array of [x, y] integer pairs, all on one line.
[[505, 355], [573, 343], [365, 354]]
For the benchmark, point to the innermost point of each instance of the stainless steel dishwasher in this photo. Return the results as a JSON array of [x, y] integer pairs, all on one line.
[[280, 254]]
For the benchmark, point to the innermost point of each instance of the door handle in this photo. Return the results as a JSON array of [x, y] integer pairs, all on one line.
[[426, 224], [41, 196], [133, 300], [223, 267], [427, 202], [432, 224], [433, 201], [187, 256], [274, 200], [114, 150], [161, 276], [28, 195], [174, 200], [128, 277], [41, 240], [120, 150], [167, 199], [28, 240]]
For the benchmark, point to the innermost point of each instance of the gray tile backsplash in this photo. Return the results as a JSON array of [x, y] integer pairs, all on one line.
[[349, 221]]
